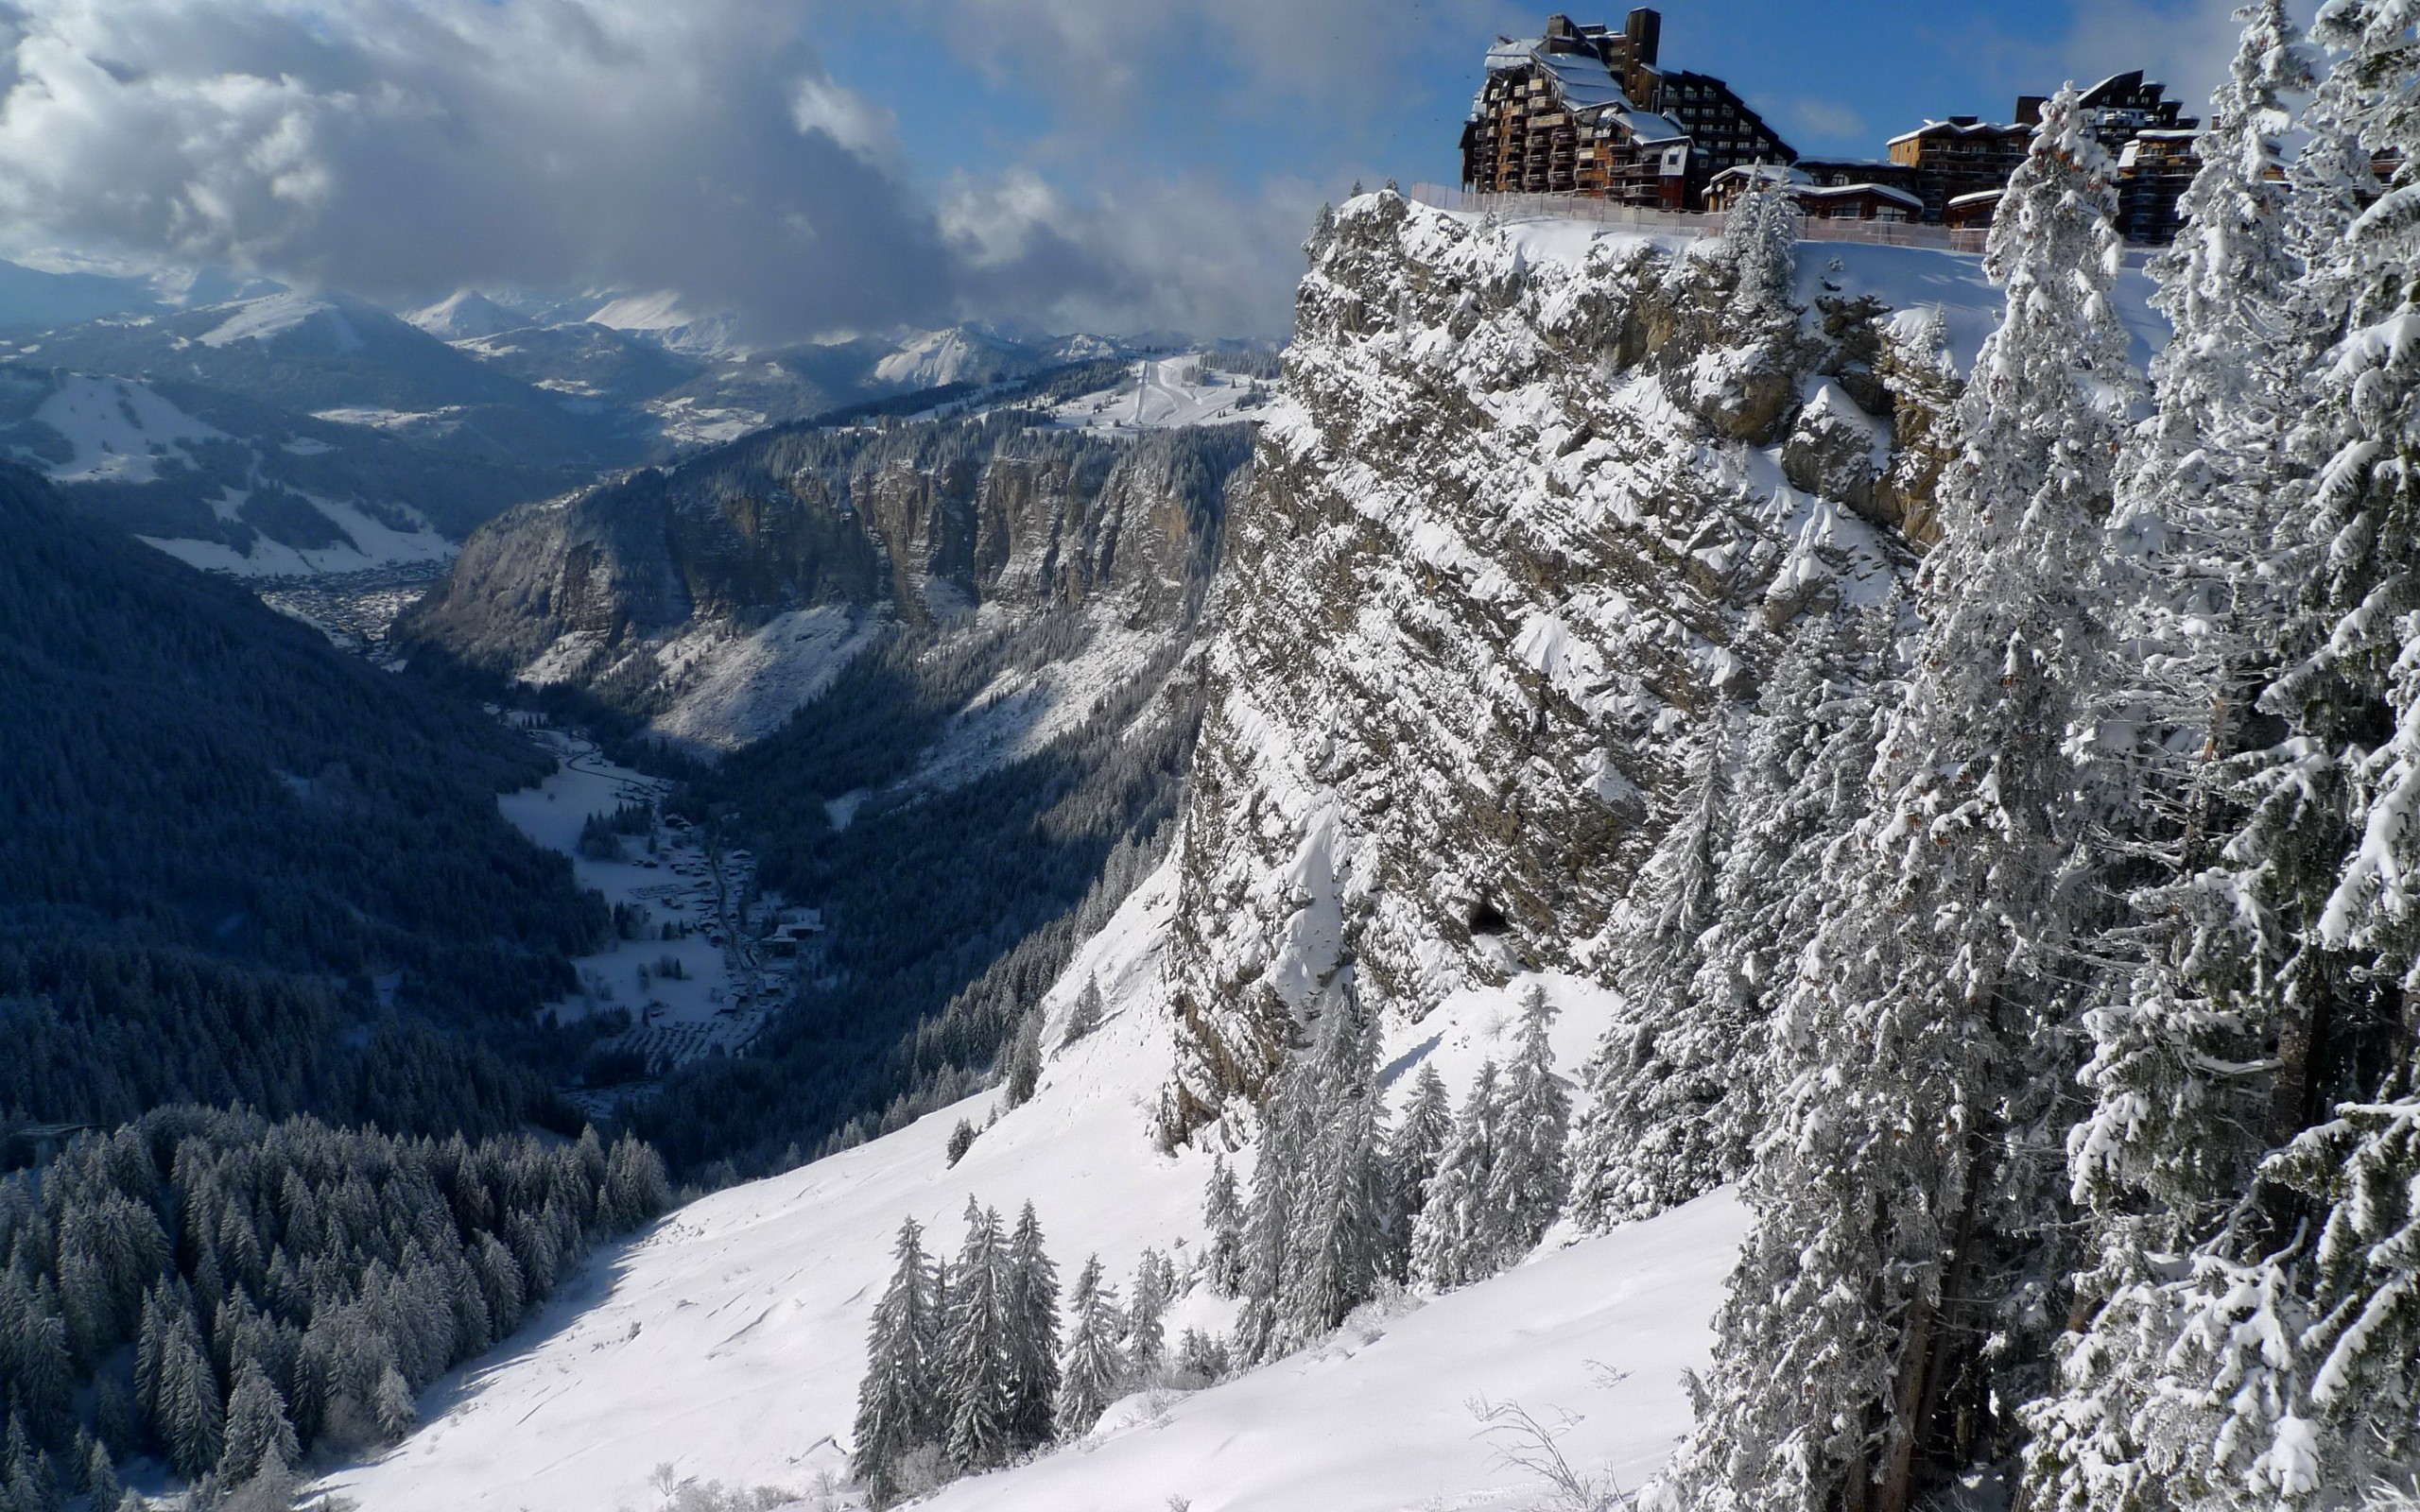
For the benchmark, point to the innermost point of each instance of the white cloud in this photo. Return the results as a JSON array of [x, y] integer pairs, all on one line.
[[1173, 255], [406, 145]]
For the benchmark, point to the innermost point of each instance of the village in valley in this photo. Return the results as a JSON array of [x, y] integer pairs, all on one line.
[[700, 957]]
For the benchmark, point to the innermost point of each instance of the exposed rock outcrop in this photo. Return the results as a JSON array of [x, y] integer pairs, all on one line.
[[1539, 510]]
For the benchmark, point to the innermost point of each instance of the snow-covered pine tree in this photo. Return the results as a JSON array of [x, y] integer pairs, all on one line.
[[259, 1437], [1802, 788], [976, 1360], [1094, 1370], [2300, 1336], [1086, 1015], [1338, 1224], [1762, 235], [1269, 1214], [1024, 1073], [186, 1409], [1897, 1197], [899, 1401], [1147, 1303], [1452, 1231], [1413, 1148], [1223, 1224], [96, 1472], [1033, 1334], [1531, 1176], [2231, 832], [1646, 1139], [1314, 1227], [26, 1480]]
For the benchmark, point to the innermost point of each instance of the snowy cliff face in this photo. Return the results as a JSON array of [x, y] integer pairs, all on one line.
[[1541, 507], [721, 597]]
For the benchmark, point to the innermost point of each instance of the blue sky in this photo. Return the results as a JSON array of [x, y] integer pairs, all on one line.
[[822, 167], [1837, 79]]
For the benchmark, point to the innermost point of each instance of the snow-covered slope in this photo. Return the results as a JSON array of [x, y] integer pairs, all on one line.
[[728, 1341]]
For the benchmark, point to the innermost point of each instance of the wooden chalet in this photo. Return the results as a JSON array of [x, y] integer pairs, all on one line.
[[1585, 110], [1971, 212]]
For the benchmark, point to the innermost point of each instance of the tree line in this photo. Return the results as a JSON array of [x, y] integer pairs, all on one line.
[[229, 1294], [230, 855]]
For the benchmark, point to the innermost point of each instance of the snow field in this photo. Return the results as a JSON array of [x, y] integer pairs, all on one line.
[[115, 425], [728, 1342], [375, 545]]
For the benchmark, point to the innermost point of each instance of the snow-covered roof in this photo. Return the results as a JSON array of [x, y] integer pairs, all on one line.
[[1843, 191], [1584, 84], [1978, 197], [1768, 172], [1955, 128]]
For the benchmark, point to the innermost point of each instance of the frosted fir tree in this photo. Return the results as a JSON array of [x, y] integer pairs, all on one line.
[[1094, 1371], [1087, 1014], [1146, 1337], [1761, 233], [1646, 1139], [187, 1413], [1413, 1149], [899, 1401], [2296, 1345], [1531, 1176], [1899, 1197], [260, 1438], [977, 1349], [2200, 1047], [1339, 1224], [1223, 1222], [1023, 1074], [1315, 1237], [1033, 1333], [1268, 1217], [1449, 1242]]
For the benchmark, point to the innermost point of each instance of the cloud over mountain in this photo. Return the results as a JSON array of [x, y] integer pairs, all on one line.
[[399, 147]]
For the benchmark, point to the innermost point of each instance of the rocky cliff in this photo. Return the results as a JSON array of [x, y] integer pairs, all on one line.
[[718, 598], [1543, 504]]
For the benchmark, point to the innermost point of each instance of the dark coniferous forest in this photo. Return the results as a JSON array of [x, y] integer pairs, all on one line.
[[239, 866]]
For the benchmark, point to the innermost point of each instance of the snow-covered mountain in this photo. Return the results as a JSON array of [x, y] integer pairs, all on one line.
[[1508, 554], [958, 354], [465, 314]]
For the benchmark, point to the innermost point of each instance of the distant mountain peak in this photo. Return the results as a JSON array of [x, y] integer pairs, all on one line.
[[661, 317], [466, 314]]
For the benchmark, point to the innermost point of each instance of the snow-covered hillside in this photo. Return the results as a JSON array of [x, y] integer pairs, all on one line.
[[728, 1341]]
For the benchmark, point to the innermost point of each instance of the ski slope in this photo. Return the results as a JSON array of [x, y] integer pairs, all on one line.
[[1167, 393], [728, 1341]]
